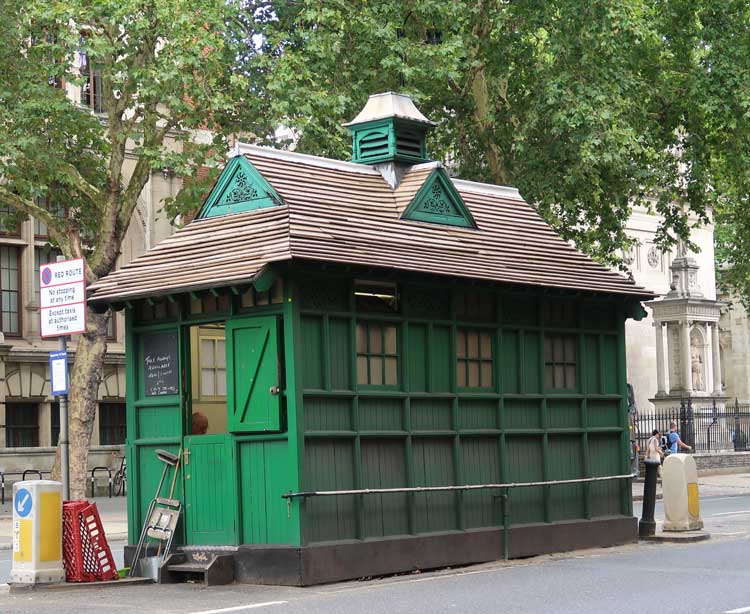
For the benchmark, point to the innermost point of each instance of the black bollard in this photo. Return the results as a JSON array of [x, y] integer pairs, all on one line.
[[647, 525]]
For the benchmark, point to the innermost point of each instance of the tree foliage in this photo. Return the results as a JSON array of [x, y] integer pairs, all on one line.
[[587, 107], [170, 93]]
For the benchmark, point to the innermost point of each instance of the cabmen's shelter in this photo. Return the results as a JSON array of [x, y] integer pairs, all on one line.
[[349, 327]]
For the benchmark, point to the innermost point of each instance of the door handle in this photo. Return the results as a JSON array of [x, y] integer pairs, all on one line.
[[186, 454], [274, 390]]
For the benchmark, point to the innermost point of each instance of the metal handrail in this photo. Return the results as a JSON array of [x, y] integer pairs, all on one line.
[[109, 479], [380, 491], [503, 496]]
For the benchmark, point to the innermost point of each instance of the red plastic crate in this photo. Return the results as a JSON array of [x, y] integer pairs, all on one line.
[[86, 554]]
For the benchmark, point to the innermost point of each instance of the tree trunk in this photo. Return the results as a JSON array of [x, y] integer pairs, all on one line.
[[82, 400]]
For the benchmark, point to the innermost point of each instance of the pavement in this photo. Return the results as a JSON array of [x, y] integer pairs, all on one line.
[[113, 512]]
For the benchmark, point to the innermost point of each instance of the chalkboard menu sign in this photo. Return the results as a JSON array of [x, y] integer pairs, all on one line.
[[161, 367]]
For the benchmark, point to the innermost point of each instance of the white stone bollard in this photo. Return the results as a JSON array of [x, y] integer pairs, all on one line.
[[682, 510], [37, 532]]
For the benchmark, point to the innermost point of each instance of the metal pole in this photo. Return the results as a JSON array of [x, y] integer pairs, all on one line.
[[64, 442], [647, 525], [506, 527], [62, 344]]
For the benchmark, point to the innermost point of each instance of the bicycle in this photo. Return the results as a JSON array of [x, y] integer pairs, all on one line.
[[120, 479]]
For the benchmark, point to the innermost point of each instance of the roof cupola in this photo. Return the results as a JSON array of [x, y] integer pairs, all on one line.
[[389, 129]]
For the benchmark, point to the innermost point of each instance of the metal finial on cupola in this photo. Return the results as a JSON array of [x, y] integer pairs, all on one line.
[[389, 129]]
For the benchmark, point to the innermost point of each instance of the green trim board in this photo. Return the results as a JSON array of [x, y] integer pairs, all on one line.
[[240, 187], [439, 202]]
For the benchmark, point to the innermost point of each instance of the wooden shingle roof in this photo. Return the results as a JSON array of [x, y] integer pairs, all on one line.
[[346, 213]]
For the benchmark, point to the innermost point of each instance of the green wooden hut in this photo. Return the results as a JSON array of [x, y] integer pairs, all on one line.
[[374, 324]]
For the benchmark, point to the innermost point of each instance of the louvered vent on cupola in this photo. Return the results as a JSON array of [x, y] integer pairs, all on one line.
[[389, 129]]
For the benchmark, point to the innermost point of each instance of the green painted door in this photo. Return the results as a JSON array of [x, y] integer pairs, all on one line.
[[210, 489], [254, 386]]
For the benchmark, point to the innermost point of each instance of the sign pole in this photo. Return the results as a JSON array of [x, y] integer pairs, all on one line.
[[62, 344]]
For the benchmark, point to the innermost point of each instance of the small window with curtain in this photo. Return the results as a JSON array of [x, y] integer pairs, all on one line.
[[21, 425], [560, 361], [10, 290], [377, 354], [474, 359]]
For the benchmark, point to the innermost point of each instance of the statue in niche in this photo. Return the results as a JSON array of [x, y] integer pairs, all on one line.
[[696, 361]]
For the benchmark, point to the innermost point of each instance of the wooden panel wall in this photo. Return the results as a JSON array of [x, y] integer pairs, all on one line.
[[427, 432]]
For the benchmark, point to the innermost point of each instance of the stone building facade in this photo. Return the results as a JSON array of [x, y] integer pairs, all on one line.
[[652, 268]]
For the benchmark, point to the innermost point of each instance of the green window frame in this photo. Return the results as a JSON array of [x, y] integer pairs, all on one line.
[[377, 354], [475, 363], [560, 361]]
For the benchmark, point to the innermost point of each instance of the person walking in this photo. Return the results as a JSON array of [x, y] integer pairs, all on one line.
[[653, 449], [673, 440]]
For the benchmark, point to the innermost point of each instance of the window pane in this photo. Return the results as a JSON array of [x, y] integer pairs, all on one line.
[[559, 376], [207, 353], [376, 339], [461, 343], [486, 374], [473, 340], [559, 348], [376, 371], [221, 353], [548, 345], [473, 374], [361, 338], [390, 339], [570, 349], [207, 382], [391, 371], [362, 370], [570, 376], [486, 345], [549, 376], [461, 373], [221, 382]]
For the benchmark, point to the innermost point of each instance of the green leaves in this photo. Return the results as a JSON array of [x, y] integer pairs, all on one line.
[[588, 108]]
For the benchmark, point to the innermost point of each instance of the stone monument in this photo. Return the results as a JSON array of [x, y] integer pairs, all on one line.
[[688, 361]]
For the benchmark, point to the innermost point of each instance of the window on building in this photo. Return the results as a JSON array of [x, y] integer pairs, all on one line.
[[21, 425], [9, 289], [213, 366], [112, 327], [377, 354], [40, 228], [42, 256], [9, 224], [560, 361], [91, 90], [474, 364], [112, 429], [54, 423], [376, 297]]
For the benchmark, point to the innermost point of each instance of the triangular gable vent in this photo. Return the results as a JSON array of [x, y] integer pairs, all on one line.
[[240, 188], [439, 202]]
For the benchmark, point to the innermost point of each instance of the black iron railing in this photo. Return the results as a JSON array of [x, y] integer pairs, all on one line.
[[704, 425]]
